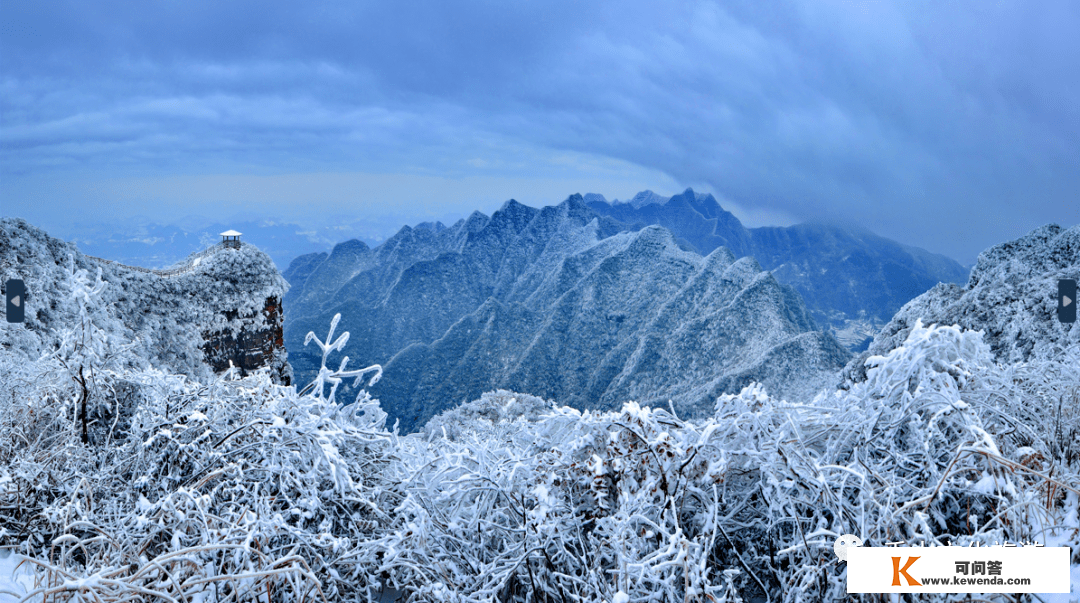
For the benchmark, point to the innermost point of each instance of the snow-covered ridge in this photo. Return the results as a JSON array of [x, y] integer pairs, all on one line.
[[562, 303], [187, 319], [1011, 296], [849, 278], [189, 264]]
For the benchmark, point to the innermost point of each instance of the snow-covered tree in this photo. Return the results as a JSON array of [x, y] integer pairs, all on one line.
[[86, 349]]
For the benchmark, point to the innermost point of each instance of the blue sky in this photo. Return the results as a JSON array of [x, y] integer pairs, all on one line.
[[948, 125]]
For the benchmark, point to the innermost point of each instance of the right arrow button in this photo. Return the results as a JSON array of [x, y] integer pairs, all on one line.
[[1066, 300]]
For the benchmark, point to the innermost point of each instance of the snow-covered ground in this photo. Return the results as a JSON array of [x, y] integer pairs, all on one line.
[[16, 577]]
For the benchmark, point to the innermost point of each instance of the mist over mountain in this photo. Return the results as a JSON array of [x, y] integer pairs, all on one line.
[[560, 302], [851, 280]]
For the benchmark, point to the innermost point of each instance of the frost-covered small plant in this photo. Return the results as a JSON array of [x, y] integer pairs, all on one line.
[[85, 349]]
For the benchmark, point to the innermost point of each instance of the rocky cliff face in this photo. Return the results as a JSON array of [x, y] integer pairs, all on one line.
[[1011, 295], [253, 347], [220, 304], [558, 302]]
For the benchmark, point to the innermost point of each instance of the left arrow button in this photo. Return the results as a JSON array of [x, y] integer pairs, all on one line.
[[15, 291]]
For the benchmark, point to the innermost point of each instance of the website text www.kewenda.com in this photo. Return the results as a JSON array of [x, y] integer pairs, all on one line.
[[968, 581]]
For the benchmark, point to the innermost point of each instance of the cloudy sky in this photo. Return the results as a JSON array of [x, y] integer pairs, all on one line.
[[948, 125]]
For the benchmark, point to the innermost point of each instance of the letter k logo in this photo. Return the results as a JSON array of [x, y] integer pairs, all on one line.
[[897, 570]]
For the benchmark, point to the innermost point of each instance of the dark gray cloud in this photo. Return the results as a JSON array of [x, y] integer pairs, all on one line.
[[951, 126]]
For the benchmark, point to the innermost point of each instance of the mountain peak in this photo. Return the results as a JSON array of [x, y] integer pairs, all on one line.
[[514, 212], [352, 246], [647, 197], [1009, 297], [575, 201], [705, 202], [1036, 250], [476, 221], [219, 305], [513, 205], [432, 226]]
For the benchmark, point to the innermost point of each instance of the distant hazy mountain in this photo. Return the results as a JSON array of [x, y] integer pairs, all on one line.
[[852, 280], [560, 302], [1011, 296], [150, 245]]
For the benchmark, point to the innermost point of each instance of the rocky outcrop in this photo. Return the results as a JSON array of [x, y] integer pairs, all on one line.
[[254, 347], [1011, 296]]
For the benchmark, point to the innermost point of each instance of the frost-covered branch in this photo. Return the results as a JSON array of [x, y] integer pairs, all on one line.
[[334, 378]]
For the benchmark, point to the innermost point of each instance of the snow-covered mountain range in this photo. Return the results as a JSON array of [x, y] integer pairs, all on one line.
[[593, 303], [560, 302], [851, 280]]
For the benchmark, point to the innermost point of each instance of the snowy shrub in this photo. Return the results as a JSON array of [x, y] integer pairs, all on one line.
[[493, 410], [239, 489], [939, 444], [86, 350]]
